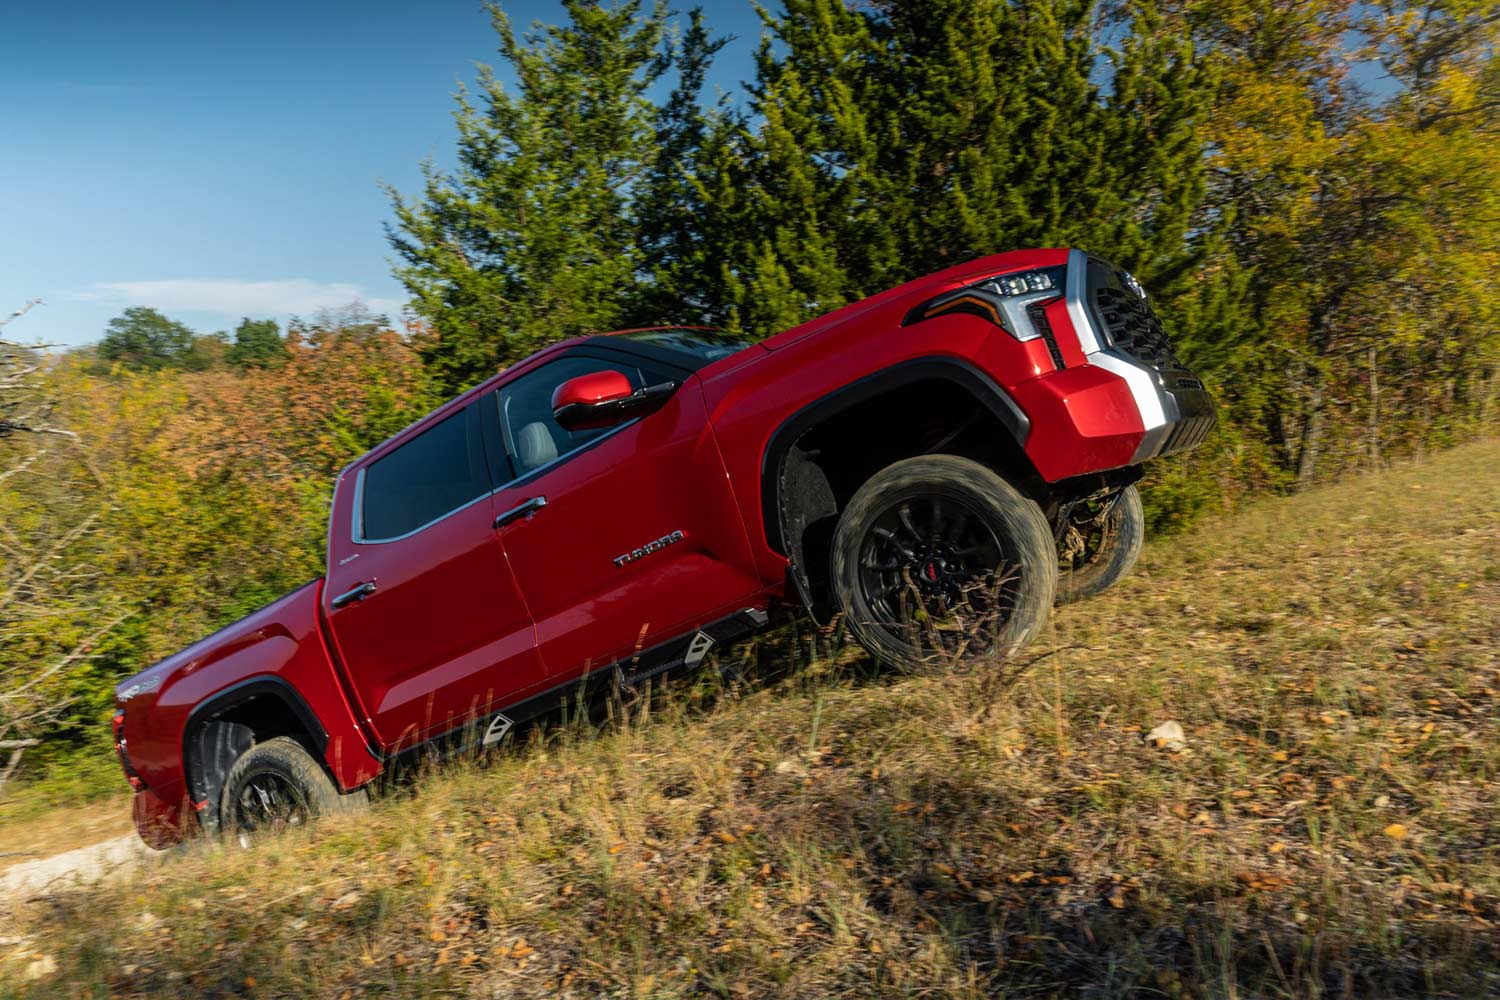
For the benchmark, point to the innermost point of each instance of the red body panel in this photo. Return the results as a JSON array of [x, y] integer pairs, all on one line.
[[446, 634], [638, 485], [281, 640], [648, 532]]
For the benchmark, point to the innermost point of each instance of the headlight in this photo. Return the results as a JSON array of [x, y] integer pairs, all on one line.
[[1020, 284], [1007, 300]]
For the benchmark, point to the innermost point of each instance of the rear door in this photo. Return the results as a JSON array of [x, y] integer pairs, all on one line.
[[640, 537], [424, 610]]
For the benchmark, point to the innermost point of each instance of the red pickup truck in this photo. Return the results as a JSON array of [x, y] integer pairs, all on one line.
[[937, 463]]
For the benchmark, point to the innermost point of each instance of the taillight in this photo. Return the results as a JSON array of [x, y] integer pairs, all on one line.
[[118, 723]]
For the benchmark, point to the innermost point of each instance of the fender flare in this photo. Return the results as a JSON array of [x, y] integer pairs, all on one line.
[[925, 369], [201, 787]]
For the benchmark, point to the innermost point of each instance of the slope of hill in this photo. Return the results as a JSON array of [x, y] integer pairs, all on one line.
[[1330, 825]]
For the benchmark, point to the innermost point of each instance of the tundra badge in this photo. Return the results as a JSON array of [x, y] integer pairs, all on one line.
[[649, 547]]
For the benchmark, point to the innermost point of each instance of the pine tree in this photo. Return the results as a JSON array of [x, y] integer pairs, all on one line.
[[895, 139], [680, 262], [531, 239]]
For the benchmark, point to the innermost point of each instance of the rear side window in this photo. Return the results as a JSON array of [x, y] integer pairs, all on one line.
[[433, 474]]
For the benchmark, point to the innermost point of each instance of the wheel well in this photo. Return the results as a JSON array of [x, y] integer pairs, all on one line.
[[223, 728], [831, 457]]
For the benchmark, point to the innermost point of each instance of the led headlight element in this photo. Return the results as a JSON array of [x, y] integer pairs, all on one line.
[[1005, 300], [1020, 284]]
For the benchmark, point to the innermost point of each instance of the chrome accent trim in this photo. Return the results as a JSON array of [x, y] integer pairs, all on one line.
[[1018, 321], [520, 510], [357, 530], [1142, 382]]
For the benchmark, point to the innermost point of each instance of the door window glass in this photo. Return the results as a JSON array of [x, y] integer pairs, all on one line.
[[532, 437], [433, 474]]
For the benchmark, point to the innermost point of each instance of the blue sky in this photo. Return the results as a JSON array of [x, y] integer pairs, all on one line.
[[222, 158]]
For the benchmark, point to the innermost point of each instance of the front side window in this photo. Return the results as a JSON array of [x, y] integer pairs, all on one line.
[[433, 474], [532, 437]]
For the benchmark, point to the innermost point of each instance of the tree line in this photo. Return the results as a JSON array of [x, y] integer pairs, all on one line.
[[1309, 188]]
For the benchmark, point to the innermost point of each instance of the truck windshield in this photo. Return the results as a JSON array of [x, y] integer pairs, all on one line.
[[701, 344]]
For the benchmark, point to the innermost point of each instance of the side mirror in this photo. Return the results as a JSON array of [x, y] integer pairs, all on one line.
[[604, 399]]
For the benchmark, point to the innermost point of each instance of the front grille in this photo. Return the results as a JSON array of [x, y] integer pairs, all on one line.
[[1128, 320]]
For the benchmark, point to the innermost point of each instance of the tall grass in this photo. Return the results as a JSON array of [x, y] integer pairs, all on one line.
[[1330, 828]]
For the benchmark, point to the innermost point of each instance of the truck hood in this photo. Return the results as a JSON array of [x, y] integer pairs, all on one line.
[[904, 296], [251, 628]]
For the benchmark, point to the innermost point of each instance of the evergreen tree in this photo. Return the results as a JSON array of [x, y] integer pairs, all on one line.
[[894, 139], [532, 238], [680, 262]]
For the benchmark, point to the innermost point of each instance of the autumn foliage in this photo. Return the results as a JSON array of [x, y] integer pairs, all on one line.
[[179, 501]]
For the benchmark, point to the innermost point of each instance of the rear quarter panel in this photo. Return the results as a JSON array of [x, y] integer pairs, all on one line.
[[282, 640]]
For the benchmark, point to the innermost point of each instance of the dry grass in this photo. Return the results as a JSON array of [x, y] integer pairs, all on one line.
[[1331, 829]]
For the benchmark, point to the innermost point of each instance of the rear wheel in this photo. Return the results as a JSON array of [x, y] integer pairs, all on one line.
[[938, 559], [275, 786], [1100, 545]]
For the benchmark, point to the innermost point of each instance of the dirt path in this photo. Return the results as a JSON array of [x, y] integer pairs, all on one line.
[[73, 868]]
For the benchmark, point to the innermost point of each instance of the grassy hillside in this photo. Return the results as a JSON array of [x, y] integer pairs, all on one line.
[[1330, 828]]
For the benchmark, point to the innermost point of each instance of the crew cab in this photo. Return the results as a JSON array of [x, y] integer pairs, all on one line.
[[937, 464]]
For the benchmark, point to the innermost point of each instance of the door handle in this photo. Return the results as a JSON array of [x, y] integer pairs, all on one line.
[[520, 511], [359, 593]]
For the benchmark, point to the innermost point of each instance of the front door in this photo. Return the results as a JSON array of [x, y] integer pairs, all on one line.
[[424, 610], [634, 535]]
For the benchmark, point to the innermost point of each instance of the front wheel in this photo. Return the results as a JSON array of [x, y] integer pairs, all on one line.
[[277, 785], [938, 559], [1100, 544]]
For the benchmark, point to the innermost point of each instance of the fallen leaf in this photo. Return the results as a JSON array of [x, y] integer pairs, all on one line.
[[1396, 831]]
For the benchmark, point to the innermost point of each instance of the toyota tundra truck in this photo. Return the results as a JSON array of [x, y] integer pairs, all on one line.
[[935, 466]]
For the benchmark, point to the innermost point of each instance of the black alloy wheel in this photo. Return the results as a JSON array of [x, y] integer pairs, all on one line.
[[936, 559], [268, 802], [275, 786], [933, 564]]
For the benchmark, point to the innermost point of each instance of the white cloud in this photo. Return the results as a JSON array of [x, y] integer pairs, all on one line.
[[232, 297]]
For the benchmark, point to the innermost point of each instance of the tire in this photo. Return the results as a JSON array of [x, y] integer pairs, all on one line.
[[970, 572], [1110, 549], [277, 785]]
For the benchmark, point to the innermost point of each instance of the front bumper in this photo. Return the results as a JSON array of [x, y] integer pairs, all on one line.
[[1118, 331]]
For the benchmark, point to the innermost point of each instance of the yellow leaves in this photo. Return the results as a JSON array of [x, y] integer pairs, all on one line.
[[1261, 881], [519, 950], [1396, 831]]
